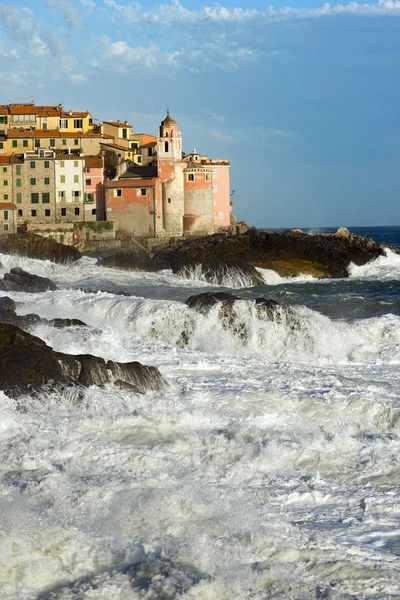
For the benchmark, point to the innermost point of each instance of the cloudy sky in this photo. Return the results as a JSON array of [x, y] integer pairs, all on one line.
[[302, 97]]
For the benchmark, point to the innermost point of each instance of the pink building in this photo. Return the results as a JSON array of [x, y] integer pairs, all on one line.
[[93, 188]]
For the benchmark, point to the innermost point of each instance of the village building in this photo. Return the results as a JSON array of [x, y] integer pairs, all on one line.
[[8, 221], [93, 188]]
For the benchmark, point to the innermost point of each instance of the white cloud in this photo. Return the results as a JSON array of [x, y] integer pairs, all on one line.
[[69, 12], [220, 136], [218, 118], [77, 78], [88, 4]]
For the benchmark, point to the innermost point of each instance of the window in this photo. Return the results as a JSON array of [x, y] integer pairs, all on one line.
[[35, 198], [214, 174], [125, 133], [118, 193], [33, 180], [90, 121], [47, 164], [220, 216], [19, 197], [166, 134], [208, 176], [4, 169], [1, 145], [32, 164], [45, 198], [63, 123], [47, 212], [63, 212], [87, 170], [214, 188], [150, 152], [94, 211], [169, 200], [5, 226], [88, 182], [18, 182], [5, 182], [76, 178], [14, 143], [64, 142], [78, 124], [62, 178], [24, 143], [77, 211], [166, 146], [61, 195], [190, 177], [139, 159], [20, 213], [76, 142], [76, 193], [134, 145], [4, 120], [47, 181], [62, 163], [5, 196], [37, 143], [33, 213], [143, 192], [5, 215], [18, 170], [44, 126], [89, 197], [76, 163], [52, 142]]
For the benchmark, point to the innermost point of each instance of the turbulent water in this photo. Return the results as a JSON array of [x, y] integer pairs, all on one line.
[[269, 468]]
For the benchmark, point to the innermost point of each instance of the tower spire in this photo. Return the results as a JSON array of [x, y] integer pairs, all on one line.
[[168, 111]]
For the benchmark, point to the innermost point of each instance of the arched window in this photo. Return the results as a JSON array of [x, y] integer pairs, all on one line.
[[166, 146], [166, 134]]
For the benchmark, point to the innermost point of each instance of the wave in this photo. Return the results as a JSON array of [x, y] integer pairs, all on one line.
[[385, 267], [295, 334]]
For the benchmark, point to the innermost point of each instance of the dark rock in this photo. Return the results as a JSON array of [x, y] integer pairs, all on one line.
[[135, 259], [28, 364], [37, 246], [289, 253], [18, 280], [203, 302], [221, 272], [8, 315]]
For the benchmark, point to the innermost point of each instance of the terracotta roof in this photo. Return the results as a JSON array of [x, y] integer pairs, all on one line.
[[117, 124], [149, 145], [74, 115], [48, 111], [7, 205], [117, 147], [94, 162], [3, 109], [191, 166], [66, 156], [168, 121], [22, 109], [5, 160]]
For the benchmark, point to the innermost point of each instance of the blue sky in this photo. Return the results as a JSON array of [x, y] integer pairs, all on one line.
[[302, 97]]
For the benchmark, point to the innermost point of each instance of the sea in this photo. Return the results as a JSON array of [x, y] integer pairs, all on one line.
[[267, 468]]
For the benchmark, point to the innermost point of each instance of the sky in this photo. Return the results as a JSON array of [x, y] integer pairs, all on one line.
[[302, 97]]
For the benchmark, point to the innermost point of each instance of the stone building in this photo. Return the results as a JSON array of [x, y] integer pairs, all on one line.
[[8, 221]]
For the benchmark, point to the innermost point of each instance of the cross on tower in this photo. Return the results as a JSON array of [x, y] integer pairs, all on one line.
[[168, 111]]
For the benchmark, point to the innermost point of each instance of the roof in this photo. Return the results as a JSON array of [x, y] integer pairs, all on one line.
[[191, 166], [74, 115], [94, 162], [48, 111], [149, 145], [117, 147], [22, 109], [5, 160], [133, 183], [117, 124], [138, 172], [168, 120], [7, 205], [3, 109]]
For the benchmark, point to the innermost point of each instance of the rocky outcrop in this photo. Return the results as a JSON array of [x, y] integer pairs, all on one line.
[[289, 253], [8, 315], [223, 272], [37, 246], [18, 280], [135, 259], [28, 364]]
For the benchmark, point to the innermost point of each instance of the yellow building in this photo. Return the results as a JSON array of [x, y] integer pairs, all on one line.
[[20, 140]]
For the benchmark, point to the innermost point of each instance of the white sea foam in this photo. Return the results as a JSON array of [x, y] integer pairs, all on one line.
[[267, 469], [383, 268]]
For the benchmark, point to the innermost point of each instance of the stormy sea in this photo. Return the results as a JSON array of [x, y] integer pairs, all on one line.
[[268, 468]]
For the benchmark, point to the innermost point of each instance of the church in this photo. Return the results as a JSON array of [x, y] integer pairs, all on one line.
[[165, 192]]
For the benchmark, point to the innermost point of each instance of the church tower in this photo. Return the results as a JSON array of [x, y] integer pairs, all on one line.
[[170, 174]]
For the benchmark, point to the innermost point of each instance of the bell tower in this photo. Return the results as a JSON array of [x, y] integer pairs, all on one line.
[[169, 139]]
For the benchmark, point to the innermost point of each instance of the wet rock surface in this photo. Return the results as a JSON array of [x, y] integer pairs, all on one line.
[[37, 246], [28, 364], [18, 280], [289, 253], [222, 272], [8, 314]]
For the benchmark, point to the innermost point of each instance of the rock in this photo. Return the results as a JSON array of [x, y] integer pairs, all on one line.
[[28, 365], [289, 253], [18, 280], [203, 302], [37, 246], [135, 259], [220, 272], [8, 315]]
